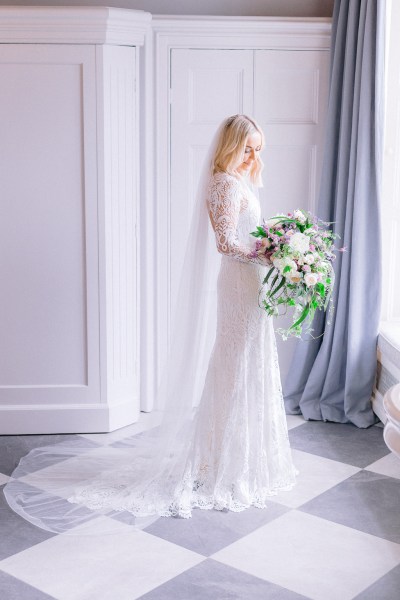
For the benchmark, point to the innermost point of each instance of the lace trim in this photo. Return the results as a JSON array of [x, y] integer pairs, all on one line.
[[226, 200]]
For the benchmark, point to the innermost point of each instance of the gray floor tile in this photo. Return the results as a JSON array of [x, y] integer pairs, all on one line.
[[211, 580], [15, 589], [365, 501], [345, 443], [386, 588], [211, 530], [14, 447], [16, 533]]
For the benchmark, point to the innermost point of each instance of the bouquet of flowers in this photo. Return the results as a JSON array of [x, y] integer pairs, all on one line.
[[300, 247]]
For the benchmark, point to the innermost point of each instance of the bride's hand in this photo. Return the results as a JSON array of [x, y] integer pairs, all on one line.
[[264, 260]]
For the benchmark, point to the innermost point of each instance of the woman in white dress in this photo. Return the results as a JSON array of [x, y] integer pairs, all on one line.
[[232, 450], [240, 453]]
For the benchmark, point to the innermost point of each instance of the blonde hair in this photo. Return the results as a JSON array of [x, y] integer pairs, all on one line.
[[231, 147]]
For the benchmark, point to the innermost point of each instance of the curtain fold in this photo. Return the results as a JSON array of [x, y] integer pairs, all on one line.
[[332, 378]]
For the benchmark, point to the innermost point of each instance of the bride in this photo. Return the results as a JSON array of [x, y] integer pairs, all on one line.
[[228, 449]]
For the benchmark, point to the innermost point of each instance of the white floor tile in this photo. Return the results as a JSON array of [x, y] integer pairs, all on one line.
[[388, 465], [146, 421], [294, 421], [123, 566], [316, 475], [311, 556]]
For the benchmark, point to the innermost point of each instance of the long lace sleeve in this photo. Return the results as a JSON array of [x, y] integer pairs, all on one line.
[[224, 202]]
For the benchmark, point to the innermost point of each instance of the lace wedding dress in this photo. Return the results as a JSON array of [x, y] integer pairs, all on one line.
[[239, 452], [234, 452]]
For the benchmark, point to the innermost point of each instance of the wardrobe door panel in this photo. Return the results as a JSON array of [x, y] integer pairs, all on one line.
[[290, 103], [206, 87], [48, 227]]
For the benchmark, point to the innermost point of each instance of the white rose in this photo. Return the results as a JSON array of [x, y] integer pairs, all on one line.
[[299, 216], [309, 259], [300, 242], [310, 279], [278, 263], [295, 277], [287, 262]]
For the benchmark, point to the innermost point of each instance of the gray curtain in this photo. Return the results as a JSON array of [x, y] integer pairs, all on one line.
[[332, 378]]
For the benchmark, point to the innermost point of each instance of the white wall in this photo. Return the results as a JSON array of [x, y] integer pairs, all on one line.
[[267, 8], [390, 214]]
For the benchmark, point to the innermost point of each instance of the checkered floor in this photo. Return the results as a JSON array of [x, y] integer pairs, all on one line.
[[335, 536]]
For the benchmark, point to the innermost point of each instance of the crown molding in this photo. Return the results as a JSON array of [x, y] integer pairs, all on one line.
[[314, 25], [252, 32], [73, 25]]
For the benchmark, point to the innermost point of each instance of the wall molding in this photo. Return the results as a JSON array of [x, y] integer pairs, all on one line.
[[242, 32], [77, 25], [65, 418]]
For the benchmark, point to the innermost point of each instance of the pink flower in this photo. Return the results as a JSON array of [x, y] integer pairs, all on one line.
[[312, 247], [307, 268]]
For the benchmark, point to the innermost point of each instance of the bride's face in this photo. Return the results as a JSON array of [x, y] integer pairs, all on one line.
[[251, 151]]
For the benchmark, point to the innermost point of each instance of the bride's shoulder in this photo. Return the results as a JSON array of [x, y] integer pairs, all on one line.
[[223, 176], [224, 189], [221, 179]]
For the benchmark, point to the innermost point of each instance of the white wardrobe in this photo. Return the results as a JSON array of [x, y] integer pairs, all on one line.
[[106, 115], [69, 259], [207, 69]]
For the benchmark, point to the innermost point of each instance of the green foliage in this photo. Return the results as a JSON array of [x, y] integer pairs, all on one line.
[[259, 232]]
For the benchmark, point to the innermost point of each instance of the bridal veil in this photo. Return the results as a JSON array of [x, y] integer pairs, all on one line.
[[46, 485]]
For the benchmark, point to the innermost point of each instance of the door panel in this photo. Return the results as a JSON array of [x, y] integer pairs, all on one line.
[[207, 86], [290, 102], [48, 226]]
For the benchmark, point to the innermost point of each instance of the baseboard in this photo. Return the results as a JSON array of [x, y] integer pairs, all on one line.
[[44, 419]]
